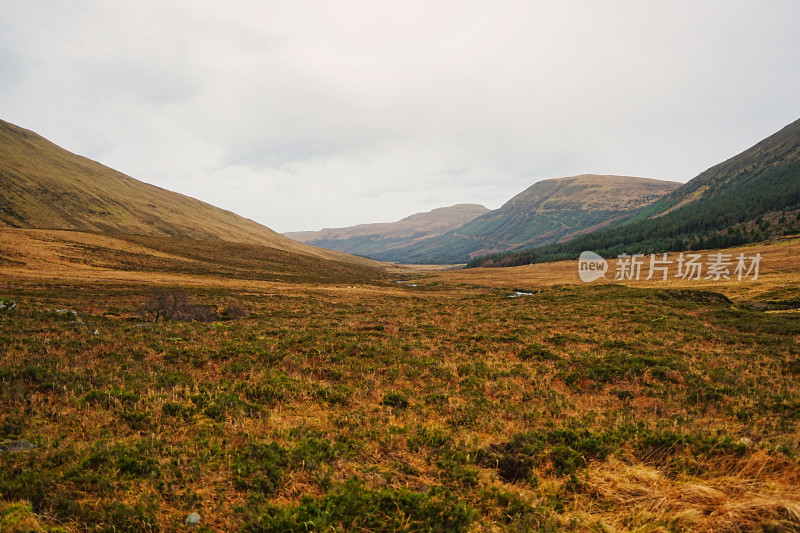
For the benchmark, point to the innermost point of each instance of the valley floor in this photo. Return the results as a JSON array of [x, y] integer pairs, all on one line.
[[357, 403]]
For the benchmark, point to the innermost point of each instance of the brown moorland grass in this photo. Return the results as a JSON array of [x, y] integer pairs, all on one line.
[[357, 403], [779, 273], [86, 257]]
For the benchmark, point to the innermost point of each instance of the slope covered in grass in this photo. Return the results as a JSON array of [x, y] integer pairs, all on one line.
[[436, 407], [75, 255]]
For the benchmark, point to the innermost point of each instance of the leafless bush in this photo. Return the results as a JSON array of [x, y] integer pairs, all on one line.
[[201, 313], [163, 305], [233, 311]]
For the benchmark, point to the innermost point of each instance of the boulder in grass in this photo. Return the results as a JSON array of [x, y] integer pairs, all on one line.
[[16, 446], [192, 520]]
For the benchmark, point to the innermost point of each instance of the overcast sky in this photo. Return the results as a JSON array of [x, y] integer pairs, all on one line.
[[310, 114]]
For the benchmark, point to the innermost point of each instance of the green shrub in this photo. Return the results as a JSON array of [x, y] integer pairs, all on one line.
[[353, 507], [7, 304], [433, 439], [336, 395], [176, 410], [536, 352], [312, 452], [395, 399], [260, 467], [108, 398]]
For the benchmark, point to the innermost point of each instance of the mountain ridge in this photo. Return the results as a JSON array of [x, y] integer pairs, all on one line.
[[366, 239], [547, 211], [782, 146], [43, 186], [749, 197]]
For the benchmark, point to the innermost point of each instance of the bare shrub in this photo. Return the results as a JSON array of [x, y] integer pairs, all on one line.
[[163, 305], [200, 313], [232, 312]]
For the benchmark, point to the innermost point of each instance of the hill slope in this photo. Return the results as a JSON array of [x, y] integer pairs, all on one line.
[[749, 197], [77, 256], [778, 150], [43, 186], [548, 211], [371, 239]]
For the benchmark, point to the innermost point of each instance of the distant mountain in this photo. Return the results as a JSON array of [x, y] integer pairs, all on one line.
[[43, 186], [750, 197], [549, 211], [373, 239]]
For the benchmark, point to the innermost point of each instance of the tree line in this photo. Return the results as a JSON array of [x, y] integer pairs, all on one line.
[[715, 221]]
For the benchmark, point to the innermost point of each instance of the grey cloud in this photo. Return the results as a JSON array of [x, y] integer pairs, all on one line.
[[307, 114]]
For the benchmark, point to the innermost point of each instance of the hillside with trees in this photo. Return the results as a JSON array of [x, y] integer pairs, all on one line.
[[748, 198]]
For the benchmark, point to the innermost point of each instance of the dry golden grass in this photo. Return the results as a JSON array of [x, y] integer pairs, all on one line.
[[639, 495], [779, 274], [74, 256], [598, 407]]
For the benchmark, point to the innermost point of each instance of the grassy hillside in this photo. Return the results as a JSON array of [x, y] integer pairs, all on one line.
[[548, 211], [74, 255], [44, 186], [748, 198], [779, 150], [445, 406], [372, 239]]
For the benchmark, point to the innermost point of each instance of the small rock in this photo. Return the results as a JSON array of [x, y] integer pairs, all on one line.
[[192, 520], [66, 312], [16, 446], [518, 294]]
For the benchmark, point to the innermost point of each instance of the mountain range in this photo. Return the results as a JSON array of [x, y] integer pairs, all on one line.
[[549, 211], [750, 197], [375, 239]]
